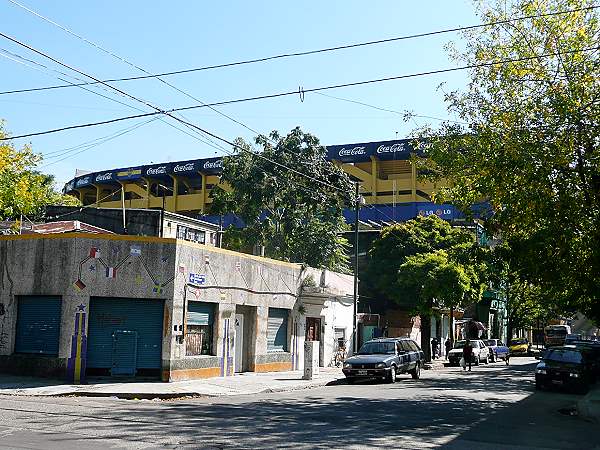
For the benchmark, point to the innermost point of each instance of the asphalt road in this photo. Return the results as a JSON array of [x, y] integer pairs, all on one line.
[[493, 407]]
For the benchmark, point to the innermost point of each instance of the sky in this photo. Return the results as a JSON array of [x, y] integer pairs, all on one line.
[[175, 35]]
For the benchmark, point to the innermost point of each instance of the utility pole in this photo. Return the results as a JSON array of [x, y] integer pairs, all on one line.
[[354, 324]]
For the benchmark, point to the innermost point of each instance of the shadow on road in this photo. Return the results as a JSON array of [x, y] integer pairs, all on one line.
[[344, 416]]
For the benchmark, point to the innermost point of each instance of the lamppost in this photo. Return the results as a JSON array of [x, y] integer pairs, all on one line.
[[358, 200]]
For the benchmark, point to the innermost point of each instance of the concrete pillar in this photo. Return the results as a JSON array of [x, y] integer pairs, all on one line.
[[374, 176], [413, 179], [203, 195], [175, 189]]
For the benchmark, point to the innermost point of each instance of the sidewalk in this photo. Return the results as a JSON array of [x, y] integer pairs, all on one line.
[[589, 406], [240, 384]]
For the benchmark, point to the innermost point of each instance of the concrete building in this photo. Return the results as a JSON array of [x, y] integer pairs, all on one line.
[[75, 305]]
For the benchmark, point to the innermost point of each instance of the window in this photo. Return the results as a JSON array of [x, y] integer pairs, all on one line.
[[199, 328], [340, 338], [414, 346], [277, 330], [406, 346], [190, 234]]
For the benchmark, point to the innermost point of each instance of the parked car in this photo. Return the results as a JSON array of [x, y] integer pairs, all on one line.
[[590, 349], [563, 367], [519, 346], [572, 338], [497, 350], [480, 352], [385, 358]]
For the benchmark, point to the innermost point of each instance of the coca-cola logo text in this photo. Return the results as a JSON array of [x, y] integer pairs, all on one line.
[[394, 148], [184, 168], [82, 181], [104, 177], [218, 164], [156, 170], [352, 151]]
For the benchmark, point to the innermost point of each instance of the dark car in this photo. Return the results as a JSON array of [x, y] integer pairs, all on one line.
[[497, 350], [385, 358], [563, 367], [591, 350]]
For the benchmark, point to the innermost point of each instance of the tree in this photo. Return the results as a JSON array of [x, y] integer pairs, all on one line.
[[23, 190], [422, 264], [530, 148], [435, 279], [292, 216]]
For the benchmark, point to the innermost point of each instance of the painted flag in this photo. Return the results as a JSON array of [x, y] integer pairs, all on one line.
[[157, 289], [79, 285], [238, 265], [94, 252], [135, 250], [111, 272], [181, 269]]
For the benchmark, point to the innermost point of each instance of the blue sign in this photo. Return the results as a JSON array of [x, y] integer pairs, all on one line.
[[382, 150], [197, 279]]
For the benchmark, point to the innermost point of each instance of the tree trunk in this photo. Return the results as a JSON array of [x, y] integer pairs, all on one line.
[[426, 336], [451, 325]]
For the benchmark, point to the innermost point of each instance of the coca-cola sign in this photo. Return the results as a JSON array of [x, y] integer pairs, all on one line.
[[394, 148], [188, 167], [83, 181], [156, 170], [104, 177], [217, 164], [352, 151]]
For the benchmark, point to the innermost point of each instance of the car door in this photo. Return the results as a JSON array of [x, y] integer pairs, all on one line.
[[403, 356]]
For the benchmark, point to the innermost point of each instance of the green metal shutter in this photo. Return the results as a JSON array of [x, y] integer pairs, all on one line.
[[38, 325], [200, 313], [277, 329], [111, 315]]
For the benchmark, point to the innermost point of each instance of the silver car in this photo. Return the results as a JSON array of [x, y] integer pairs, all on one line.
[[385, 358]]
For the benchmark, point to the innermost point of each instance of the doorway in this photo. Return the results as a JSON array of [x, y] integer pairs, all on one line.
[[239, 343]]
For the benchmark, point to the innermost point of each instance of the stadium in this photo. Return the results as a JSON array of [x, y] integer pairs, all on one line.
[[389, 185]]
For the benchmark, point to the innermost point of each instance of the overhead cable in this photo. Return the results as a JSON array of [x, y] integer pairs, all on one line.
[[292, 54]]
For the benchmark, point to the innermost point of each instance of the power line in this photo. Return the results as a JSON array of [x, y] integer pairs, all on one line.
[[120, 58], [388, 110], [303, 91], [295, 54]]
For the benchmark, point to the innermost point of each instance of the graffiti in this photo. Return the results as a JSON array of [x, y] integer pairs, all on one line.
[[77, 361], [111, 271], [105, 319], [4, 273]]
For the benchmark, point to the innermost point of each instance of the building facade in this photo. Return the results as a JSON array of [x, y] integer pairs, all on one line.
[[79, 305]]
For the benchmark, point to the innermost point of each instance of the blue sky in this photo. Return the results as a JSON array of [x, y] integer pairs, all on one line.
[[165, 36]]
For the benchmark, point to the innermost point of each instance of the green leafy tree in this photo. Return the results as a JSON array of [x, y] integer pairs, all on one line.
[[23, 190], [422, 264], [293, 217], [530, 148], [436, 279]]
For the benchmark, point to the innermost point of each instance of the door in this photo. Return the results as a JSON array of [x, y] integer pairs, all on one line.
[[111, 315], [38, 325], [313, 329], [124, 353], [239, 343]]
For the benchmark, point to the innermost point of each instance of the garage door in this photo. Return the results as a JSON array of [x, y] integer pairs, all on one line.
[[125, 335], [38, 325]]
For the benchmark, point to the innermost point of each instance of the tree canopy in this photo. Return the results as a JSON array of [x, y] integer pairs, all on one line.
[[530, 148], [23, 190], [286, 211], [399, 242]]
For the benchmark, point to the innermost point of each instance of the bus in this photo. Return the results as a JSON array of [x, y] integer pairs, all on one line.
[[555, 335]]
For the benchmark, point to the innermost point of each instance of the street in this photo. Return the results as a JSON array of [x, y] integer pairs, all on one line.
[[493, 407]]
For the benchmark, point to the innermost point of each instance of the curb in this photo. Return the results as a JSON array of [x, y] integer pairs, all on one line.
[[176, 395], [588, 407]]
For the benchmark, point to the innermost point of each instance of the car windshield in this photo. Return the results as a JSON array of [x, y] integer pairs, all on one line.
[[378, 348], [518, 341], [563, 355], [490, 342], [461, 344]]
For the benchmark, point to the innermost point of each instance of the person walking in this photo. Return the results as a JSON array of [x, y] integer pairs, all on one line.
[[434, 348], [468, 354], [448, 345]]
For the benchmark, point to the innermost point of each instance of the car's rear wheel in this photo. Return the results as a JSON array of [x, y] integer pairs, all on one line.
[[416, 372], [539, 386], [477, 360], [506, 359], [493, 357], [391, 378], [350, 380]]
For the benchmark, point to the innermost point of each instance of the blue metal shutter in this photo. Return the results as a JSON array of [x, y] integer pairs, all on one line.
[[109, 315], [277, 329], [200, 313], [38, 325]]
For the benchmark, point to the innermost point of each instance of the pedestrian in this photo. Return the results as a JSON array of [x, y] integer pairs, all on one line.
[[468, 354], [448, 347], [434, 348]]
